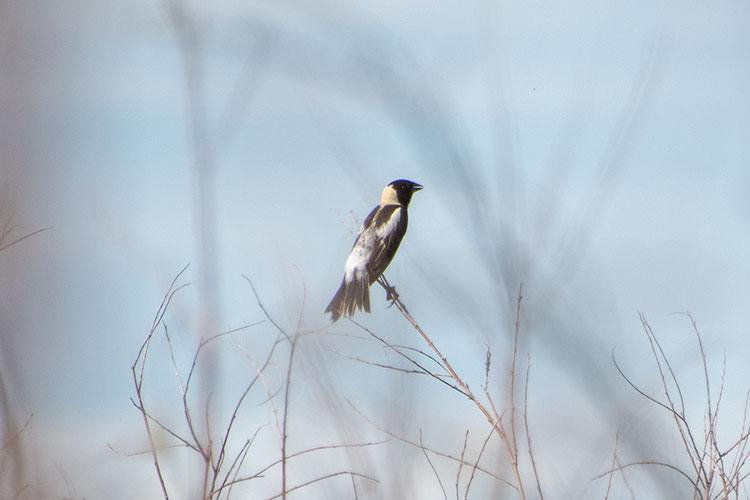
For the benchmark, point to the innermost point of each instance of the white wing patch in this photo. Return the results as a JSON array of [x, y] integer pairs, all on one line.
[[369, 237], [356, 264], [387, 229]]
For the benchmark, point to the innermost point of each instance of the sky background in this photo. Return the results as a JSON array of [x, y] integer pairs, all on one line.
[[597, 152]]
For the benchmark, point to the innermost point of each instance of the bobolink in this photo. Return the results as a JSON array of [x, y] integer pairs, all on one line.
[[373, 250]]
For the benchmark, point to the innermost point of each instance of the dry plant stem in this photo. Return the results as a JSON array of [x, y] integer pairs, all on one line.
[[713, 474], [292, 343], [354, 487], [434, 471], [526, 428], [292, 349], [262, 471], [423, 370], [394, 347], [286, 414], [612, 468], [18, 240], [323, 478], [436, 452], [679, 416], [493, 418], [625, 478], [212, 469], [9, 442], [378, 365], [138, 372], [221, 472], [650, 462], [476, 463], [227, 433], [511, 443], [461, 463], [513, 375], [292, 339]]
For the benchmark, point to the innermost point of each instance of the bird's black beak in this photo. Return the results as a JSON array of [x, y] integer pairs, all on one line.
[[416, 187]]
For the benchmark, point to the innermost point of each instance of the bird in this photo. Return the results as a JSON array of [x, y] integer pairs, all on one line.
[[376, 244]]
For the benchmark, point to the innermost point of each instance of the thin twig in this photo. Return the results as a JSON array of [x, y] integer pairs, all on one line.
[[378, 365], [14, 437], [262, 308], [232, 419], [714, 476], [18, 240], [647, 462], [463, 387], [434, 471], [163, 427], [476, 463], [685, 431], [526, 428], [513, 452], [436, 452], [438, 377], [285, 416], [612, 471], [354, 487], [625, 478], [270, 466], [138, 374], [323, 478], [461, 462]]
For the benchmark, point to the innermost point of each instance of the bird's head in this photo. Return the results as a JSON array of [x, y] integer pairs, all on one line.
[[399, 192]]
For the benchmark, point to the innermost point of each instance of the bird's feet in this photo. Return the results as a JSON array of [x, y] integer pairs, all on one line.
[[390, 291], [391, 294]]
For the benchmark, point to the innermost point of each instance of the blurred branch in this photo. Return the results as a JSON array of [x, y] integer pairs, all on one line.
[[138, 373], [7, 230], [612, 468], [432, 466], [461, 460], [221, 470], [526, 428], [461, 463], [476, 462], [493, 416], [712, 476], [646, 462], [323, 478], [421, 369], [12, 439]]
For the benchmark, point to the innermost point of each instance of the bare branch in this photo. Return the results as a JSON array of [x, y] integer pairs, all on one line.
[[434, 471], [436, 452], [526, 427], [476, 463], [18, 240], [463, 388], [660, 464], [262, 308], [323, 478], [411, 360], [138, 374], [461, 463], [612, 470], [14, 437]]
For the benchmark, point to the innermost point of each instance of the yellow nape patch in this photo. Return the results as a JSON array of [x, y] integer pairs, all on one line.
[[389, 196]]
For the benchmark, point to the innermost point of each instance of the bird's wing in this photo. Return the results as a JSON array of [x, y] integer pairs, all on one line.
[[389, 225], [366, 224]]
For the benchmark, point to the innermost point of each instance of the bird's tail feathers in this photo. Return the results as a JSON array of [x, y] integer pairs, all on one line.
[[350, 297]]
